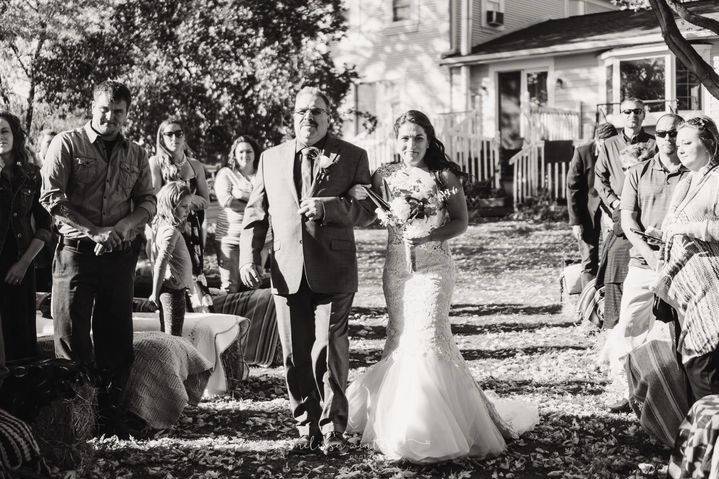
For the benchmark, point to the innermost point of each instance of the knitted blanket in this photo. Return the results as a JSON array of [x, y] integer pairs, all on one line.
[[168, 374]]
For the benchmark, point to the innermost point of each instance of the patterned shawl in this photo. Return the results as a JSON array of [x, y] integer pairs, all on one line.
[[689, 280]]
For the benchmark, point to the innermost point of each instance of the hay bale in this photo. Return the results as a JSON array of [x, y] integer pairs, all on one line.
[[63, 428]]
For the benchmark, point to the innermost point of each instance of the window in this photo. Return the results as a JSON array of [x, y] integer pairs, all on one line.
[[537, 88], [644, 78], [687, 89], [401, 10]]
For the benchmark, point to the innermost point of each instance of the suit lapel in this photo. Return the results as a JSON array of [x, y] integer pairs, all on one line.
[[288, 167]]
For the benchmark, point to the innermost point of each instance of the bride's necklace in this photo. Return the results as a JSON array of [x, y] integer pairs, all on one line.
[[180, 163]]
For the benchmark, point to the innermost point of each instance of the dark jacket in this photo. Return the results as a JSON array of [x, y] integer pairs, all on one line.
[[582, 199], [19, 202]]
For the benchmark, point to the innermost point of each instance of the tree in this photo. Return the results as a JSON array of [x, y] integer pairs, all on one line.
[[28, 28], [665, 11], [224, 66]]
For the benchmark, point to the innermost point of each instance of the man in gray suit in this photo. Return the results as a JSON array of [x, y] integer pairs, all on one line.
[[300, 191]]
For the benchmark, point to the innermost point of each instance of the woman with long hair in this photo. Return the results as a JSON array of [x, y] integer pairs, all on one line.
[[420, 402], [233, 185], [173, 161], [20, 241], [689, 279]]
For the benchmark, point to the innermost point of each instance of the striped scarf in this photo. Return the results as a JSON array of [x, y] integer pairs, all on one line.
[[689, 280]]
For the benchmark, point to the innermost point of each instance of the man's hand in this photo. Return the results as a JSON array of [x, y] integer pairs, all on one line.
[[107, 237], [125, 230], [312, 208], [250, 274], [16, 273], [577, 232], [358, 192]]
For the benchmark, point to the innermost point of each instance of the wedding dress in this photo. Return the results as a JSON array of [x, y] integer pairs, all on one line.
[[420, 401]]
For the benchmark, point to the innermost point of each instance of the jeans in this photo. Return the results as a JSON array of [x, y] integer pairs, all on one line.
[[96, 291], [228, 262], [172, 310]]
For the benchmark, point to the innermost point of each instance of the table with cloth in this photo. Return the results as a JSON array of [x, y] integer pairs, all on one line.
[[695, 453]]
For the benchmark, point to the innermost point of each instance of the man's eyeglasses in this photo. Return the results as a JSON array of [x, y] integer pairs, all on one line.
[[175, 133], [669, 133], [313, 111], [636, 111]]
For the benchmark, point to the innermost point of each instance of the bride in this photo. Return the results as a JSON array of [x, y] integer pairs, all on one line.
[[420, 402]]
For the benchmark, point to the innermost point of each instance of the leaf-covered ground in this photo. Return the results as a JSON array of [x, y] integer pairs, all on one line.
[[517, 337]]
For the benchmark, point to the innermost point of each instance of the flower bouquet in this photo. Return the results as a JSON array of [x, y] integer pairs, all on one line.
[[402, 213], [634, 154]]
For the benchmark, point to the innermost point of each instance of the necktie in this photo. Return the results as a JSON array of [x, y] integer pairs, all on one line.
[[306, 172]]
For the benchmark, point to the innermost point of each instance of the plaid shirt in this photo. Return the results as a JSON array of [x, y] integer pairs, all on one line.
[[78, 172]]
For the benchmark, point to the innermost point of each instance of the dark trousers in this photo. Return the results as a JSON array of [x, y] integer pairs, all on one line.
[[17, 313], [703, 374], [589, 247], [90, 290], [172, 310], [313, 331]]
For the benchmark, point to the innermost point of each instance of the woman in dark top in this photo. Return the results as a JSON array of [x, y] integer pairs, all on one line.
[[20, 242]]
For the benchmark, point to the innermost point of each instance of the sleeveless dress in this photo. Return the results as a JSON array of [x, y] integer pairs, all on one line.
[[420, 402]]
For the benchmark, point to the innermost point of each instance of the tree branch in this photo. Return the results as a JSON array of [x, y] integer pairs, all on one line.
[[691, 17], [681, 47]]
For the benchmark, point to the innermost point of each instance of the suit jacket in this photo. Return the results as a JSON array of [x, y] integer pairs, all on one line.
[[582, 199], [324, 250]]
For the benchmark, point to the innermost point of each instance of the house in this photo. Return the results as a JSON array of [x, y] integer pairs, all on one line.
[[409, 53], [528, 70]]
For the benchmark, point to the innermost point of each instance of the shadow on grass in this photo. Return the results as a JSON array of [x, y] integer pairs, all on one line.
[[502, 308], [507, 353], [466, 329], [576, 387]]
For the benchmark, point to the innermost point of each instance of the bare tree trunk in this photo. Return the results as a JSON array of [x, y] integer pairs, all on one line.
[[32, 76], [681, 47]]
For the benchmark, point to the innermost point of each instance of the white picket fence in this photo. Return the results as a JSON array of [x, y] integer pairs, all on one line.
[[461, 133], [533, 174], [546, 123]]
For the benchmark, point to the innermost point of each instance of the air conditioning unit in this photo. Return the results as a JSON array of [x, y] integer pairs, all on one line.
[[495, 18]]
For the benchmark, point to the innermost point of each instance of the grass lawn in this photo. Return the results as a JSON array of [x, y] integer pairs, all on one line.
[[513, 331]]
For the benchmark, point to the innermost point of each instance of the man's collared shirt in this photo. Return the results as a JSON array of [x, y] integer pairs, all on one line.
[[648, 190], [78, 172], [610, 175]]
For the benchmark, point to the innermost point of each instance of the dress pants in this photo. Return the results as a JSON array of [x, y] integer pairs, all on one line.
[[589, 247], [313, 331], [90, 290]]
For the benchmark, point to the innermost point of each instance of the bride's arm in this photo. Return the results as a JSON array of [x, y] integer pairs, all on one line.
[[456, 209]]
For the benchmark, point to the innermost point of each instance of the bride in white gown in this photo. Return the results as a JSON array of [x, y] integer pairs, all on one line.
[[420, 401]]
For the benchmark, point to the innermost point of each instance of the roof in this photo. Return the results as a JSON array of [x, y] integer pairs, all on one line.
[[583, 33]]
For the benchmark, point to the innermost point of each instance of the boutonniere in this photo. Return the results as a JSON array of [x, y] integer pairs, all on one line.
[[323, 162]]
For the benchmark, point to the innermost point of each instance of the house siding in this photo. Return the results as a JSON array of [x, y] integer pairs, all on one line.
[[519, 14], [580, 85], [590, 8], [711, 104], [402, 60]]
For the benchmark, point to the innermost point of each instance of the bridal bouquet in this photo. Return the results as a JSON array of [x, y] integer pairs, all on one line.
[[634, 154], [408, 213]]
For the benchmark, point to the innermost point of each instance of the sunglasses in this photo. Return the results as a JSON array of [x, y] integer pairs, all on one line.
[[175, 133], [313, 111], [636, 111], [665, 133]]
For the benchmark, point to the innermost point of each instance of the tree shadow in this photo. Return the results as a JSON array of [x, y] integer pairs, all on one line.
[[357, 331], [573, 387], [466, 329], [358, 311], [506, 353], [502, 308]]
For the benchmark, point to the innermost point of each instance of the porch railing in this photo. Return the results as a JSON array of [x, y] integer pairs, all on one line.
[[534, 176], [545, 123]]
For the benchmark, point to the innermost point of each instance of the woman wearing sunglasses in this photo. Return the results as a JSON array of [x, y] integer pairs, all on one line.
[[689, 279], [173, 161]]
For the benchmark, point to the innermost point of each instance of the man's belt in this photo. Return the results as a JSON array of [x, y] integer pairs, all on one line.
[[88, 246]]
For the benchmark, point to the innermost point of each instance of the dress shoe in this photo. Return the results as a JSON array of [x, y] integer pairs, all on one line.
[[335, 444], [622, 405], [307, 444]]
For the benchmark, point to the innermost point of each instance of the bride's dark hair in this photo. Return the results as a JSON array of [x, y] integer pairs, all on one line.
[[435, 158]]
